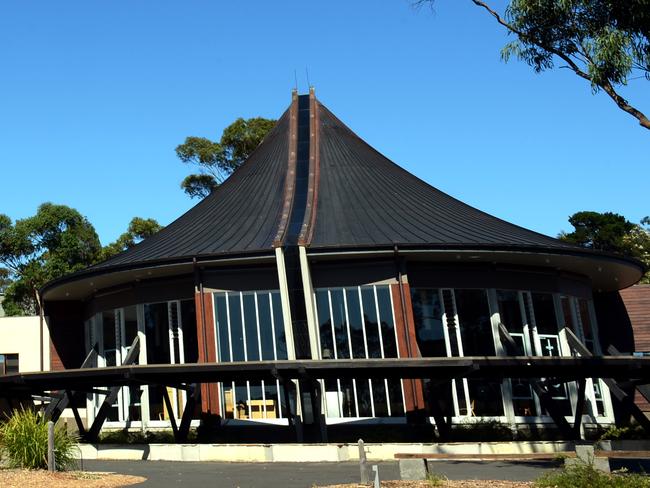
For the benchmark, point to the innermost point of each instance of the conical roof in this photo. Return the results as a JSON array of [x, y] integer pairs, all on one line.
[[314, 182]]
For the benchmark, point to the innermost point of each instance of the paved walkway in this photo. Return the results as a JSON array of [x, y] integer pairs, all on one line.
[[299, 475]]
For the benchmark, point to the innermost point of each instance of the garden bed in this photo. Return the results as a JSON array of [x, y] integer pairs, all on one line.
[[443, 484], [25, 478]]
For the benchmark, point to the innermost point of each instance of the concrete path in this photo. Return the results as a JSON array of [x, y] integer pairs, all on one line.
[[299, 475]]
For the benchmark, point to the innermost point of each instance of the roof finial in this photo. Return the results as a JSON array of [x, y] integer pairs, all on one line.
[[307, 73]]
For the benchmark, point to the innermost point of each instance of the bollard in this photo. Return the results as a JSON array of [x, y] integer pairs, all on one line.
[[363, 464], [51, 462], [375, 469]]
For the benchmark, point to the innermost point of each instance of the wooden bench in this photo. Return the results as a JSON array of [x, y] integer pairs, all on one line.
[[532, 456]]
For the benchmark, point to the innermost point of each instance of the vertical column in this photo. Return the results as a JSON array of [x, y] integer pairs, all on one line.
[[286, 307], [310, 306], [205, 332], [407, 344]]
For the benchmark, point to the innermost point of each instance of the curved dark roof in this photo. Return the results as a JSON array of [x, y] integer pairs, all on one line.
[[240, 216], [367, 200], [314, 182]]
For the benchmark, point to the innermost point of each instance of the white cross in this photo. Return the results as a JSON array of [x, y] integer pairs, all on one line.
[[549, 347]]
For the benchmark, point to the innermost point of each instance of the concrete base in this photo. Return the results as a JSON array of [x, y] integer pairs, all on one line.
[[413, 469], [585, 455], [306, 452]]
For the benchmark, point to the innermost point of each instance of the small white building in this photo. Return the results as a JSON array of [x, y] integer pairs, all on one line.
[[20, 345]]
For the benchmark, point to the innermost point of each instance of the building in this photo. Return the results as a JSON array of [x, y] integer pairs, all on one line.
[[319, 247]]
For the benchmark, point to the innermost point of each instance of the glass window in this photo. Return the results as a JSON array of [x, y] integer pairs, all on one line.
[[357, 334], [475, 326], [8, 363], [250, 327], [385, 305], [370, 321], [190, 341], [156, 323], [509, 310], [545, 318], [358, 322], [429, 329]]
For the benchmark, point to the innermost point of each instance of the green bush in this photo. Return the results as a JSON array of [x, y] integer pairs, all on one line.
[[620, 433], [23, 440], [586, 476]]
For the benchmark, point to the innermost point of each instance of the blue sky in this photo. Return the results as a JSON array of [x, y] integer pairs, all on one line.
[[95, 96]]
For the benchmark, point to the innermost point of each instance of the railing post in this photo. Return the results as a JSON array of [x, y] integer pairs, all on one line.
[[363, 464], [51, 462]]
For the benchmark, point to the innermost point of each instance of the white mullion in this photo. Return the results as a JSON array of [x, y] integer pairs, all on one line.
[[275, 348], [445, 330], [356, 400], [340, 397], [235, 412], [381, 336], [259, 348], [329, 300], [243, 325], [278, 395], [181, 335], [170, 331], [461, 352], [228, 326], [363, 323], [257, 322], [387, 397], [243, 334], [347, 323], [248, 403], [372, 398], [392, 311]]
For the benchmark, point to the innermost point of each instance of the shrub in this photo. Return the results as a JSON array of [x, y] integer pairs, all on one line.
[[586, 476], [620, 433], [23, 439]]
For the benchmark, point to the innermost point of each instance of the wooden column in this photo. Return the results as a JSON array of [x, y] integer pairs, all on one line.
[[205, 332], [407, 344]]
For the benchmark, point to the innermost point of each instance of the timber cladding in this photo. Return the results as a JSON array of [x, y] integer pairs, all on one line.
[[637, 303]]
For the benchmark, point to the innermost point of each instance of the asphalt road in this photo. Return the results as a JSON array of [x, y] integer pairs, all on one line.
[[299, 475]]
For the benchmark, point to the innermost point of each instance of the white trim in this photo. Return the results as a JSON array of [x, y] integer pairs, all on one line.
[[286, 308]]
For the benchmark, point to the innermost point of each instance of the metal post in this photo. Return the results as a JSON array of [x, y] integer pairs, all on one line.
[[363, 464], [375, 470], [51, 463]]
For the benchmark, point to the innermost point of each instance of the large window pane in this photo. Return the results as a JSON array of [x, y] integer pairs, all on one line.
[[223, 337], [356, 323], [266, 330], [544, 310], [281, 343], [157, 331], [190, 342], [509, 310], [386, 320], [475, 326], [250, 328], [340, 324], [236, 327], [427, 311], [325, 324], [370, 321]]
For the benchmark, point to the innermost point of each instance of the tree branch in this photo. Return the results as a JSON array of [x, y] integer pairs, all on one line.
[[607, 87]]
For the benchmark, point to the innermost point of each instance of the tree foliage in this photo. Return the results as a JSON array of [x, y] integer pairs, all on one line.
[[137, 230], [217, 160], [56, 241], [606, 42], [611, 232]]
